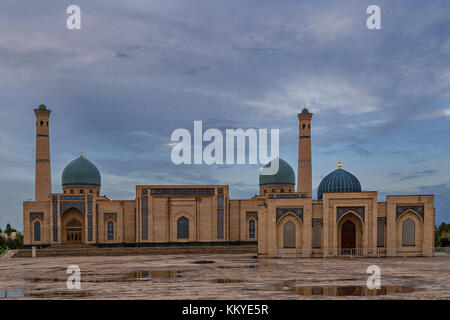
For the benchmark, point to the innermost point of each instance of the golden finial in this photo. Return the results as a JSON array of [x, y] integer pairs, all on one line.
[[42, 101], [339, 164], [82, 154]]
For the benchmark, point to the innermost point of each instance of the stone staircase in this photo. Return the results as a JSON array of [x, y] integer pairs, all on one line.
[[88, 250]]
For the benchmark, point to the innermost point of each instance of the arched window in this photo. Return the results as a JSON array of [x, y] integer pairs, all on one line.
[[110, 230], [81, 191], [282, 190], [289, 235], [380, 234], [408, 233], [317, 236], [251, 229], [71, 191], [183, 228], [42, 123], [304, 126], [37, 231]]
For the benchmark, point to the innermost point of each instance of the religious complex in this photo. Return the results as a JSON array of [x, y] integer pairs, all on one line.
[[280, 220]]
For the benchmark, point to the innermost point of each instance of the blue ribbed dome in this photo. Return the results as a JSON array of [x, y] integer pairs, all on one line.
[[284, 176], [338, 181], [81, 172]]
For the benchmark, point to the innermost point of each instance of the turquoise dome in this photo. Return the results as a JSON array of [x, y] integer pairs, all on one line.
[[42, 107], [305, 110], [81, 172], [338, 181], [284, 177]]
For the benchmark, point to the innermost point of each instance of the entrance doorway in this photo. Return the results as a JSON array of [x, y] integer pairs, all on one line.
[[348, 235], [289, 235], [73, 235]]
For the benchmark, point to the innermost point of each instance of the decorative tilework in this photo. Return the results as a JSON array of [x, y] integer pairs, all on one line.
[[287, 196], [71, 204], [382, 219], [90, 226], [251, 213], [219, 224], [419, 209], [360, 211], [182, 191], [144, 201], [36, 215], [317, 221], [297, 211], [110, 215], [55, 218], [220, 202], [72, 197]]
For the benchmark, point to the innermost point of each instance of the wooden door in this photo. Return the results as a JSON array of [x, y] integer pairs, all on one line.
[[348, 235], [73, 235], [289, 235]]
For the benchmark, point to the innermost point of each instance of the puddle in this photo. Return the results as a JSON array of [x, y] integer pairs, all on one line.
[[11, 293], [345, 290], [227, 281], [203, 261], [52, 294], [255, 266], [127, 277], [20, 293]]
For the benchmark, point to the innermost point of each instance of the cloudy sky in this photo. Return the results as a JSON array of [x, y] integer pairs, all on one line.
[[137, 70]]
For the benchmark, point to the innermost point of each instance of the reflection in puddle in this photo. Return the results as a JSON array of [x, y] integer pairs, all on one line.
[[52, 294], [203, 261], [127, 277], [345, 290], [227, 281], [20, 293], [11, 293], [254, 266]]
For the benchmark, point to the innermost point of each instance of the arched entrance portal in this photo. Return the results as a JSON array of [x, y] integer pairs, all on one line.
[[348, 235], [73, 227], [289, 235]]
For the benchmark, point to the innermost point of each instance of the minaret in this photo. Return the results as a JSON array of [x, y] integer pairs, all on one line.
[[304, 180], [43, 180]]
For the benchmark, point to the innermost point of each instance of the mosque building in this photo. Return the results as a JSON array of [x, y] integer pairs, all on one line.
[[281, 220]]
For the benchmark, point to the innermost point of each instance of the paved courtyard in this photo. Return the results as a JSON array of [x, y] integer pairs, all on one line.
[[238, 276]]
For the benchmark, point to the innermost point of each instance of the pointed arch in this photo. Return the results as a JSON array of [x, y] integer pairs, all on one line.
[[182, 228]]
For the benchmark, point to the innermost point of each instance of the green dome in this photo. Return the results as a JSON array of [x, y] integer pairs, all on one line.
[[284, 177], [42, 107], [81, 172], [305, 110]]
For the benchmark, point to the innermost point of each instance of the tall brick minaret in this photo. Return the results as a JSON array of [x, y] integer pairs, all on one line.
[[304, 179], [43, 179]]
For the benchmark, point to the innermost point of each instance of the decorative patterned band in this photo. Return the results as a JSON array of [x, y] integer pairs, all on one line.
[[360, 211], [251, 213], [36, 215], [182, 191], [42, 160], [42, 135], [305, 137], [419, 209], [296, 211], [110, 215]]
